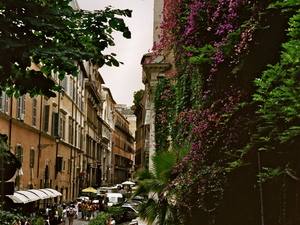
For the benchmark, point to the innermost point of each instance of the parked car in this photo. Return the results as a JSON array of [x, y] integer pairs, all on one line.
[[112, 199], [132, 202], [131, 212], [139, 198], [101, 191]]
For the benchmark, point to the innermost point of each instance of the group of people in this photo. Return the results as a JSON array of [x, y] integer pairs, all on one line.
[[66, 217], [65, 214], [89, 209], [51, 215]]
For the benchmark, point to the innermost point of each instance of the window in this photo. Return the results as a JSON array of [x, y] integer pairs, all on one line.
[[34, 111], [32, 153], [71, 130], [62, 126], [4, 102], [46, 118], [81, 138], [21, 108], [71, 89], [69, 165], [19, 153], [77, 128], [80, 77], [55, 76], [65, 83], [55, 119], [82, 104], [59, 164]]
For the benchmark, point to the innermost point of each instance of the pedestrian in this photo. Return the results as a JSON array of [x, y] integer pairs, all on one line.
[[83, 210], [89, 211], [76, 206], [95, 210], [71, 214], [48, 209], [64, 214], [54, 219]]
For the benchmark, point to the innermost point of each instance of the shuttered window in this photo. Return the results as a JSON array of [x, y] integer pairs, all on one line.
[[4, 103], [19, 153], [32, 153], [55, 118], [46, 117], [34, 111]]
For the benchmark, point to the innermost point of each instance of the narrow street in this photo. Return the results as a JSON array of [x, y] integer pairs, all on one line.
[[84, 222]]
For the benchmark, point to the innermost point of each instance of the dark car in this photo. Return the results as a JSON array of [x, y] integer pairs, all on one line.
[[139, 198], [131, 212]]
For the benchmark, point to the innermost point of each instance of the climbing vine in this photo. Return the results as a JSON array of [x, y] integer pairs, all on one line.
[[235, 95], [164, 106]]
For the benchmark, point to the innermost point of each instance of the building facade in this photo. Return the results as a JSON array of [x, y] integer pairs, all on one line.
[[69, 142], [46, 134], [154, 67], [142, 133], [107, 135], [123, 150]]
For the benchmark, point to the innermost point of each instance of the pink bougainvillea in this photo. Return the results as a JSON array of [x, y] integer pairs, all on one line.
[[209, 40]]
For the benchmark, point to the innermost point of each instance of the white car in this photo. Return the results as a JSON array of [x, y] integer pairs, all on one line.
[[113, 199]]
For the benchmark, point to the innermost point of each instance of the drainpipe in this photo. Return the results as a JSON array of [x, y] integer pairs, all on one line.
[[10, 121], [40, 134], [58, 132], [71, 152]]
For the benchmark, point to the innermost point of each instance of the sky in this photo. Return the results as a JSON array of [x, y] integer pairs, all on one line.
[[124, 80]]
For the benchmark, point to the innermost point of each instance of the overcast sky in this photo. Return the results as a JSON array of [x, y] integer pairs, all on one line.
[[123, 81]]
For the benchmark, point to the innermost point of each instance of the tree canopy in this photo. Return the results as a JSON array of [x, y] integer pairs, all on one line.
[[52, 35], [137, 96]]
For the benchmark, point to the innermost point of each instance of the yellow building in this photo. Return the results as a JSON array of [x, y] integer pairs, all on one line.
[[46, 134]]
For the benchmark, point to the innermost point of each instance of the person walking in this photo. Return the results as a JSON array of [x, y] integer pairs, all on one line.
[[84, 208], [54, 219], [64, 214], [71, 212], [76, 206], [89, 210]]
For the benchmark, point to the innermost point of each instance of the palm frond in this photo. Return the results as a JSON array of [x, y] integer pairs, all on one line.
[[148, 210]]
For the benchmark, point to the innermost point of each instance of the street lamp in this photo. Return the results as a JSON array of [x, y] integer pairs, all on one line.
[[57, 139]]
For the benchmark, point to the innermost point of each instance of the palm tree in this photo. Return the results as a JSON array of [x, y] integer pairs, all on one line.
[[154, 184]]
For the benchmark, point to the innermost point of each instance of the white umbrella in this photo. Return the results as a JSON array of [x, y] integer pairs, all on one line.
[[128, 183]]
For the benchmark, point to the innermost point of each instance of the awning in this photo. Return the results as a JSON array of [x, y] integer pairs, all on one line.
[[39, 193], [32, 195], [57, 193], [19, 198], [49, 193]]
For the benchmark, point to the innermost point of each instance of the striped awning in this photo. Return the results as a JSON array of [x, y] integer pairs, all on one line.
[[32, 195]]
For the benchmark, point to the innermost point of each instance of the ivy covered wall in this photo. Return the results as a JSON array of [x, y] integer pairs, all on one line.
[[234, 97]]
